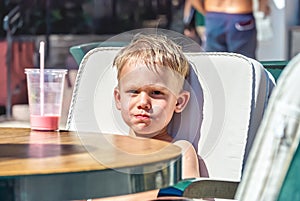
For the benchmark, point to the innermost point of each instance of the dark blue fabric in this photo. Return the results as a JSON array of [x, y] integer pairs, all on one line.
[[231, 33], [177, 189], [170, 191]]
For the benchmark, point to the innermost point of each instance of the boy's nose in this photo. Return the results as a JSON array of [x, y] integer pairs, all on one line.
[[144, 101]]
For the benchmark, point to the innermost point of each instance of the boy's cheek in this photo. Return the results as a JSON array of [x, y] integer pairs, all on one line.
[[125, 105]]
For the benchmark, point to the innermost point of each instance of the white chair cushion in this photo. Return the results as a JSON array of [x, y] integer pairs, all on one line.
[[227, 94], [276, 142]]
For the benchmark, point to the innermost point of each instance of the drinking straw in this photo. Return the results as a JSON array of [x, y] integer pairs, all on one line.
[[42, 60]]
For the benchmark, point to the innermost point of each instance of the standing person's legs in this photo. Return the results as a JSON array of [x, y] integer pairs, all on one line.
[[189, 22], [200, 27], [215, 32], [241, 34]]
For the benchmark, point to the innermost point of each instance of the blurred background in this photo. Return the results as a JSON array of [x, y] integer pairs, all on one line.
[[65, 23], [56, 19]]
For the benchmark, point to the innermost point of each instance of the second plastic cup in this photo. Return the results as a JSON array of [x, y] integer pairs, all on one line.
[[45, 99]]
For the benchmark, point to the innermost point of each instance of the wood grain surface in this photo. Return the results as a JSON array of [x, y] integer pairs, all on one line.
[[27, 152]]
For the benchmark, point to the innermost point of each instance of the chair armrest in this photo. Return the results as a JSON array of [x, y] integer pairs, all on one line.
[[211, 188]]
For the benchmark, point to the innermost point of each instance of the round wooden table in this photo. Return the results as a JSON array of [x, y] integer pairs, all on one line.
[[67, 165]]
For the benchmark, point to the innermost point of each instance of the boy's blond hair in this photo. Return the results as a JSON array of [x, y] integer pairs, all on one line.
[[154, 51]]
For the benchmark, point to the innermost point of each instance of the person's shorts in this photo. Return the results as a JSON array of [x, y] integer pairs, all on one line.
[[231, 33]]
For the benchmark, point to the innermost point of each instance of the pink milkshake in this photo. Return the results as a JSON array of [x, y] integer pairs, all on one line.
[[44, 122], [45, 100]]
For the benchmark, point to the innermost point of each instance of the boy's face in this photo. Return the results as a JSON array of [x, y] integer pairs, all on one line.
[[148, 98]]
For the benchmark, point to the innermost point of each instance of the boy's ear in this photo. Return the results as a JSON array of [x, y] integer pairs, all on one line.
[[182, 101], [117, 98]]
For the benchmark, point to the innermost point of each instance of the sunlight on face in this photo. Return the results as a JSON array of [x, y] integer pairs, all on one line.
[[147, 97]]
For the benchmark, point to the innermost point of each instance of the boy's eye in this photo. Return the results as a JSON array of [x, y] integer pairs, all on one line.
[[132, 91], [157, 93]]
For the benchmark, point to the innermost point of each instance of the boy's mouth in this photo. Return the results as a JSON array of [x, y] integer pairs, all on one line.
[[142, 116]]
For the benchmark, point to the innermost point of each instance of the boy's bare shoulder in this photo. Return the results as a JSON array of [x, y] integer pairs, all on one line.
[[184, 145]]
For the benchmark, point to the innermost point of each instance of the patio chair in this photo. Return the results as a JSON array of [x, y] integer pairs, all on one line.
[[229, 93], [272, 169], [78, 51], [274, 67], [272, 172]]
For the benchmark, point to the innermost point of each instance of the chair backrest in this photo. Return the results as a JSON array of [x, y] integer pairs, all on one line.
[[78, 51], [272, 170], [275, 67], [229, 93]]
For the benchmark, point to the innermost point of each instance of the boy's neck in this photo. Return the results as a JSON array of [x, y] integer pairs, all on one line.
[[161, 135], [164, 137]]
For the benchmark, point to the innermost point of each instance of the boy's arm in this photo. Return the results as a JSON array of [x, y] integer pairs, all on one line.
[[190, 163], [190, 169]]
